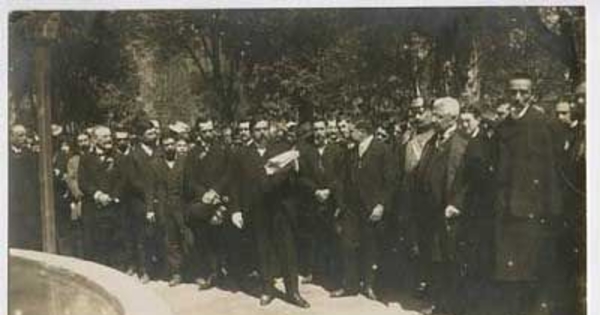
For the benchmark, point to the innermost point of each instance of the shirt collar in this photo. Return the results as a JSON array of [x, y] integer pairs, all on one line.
[[574, 123], [170, 164], [475, 133], [521, 113], [149, 151], [16, 149], [449, 132], [364, 145], [322, 147]]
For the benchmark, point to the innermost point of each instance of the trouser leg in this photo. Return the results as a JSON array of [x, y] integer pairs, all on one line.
[[286, 253], [370, 250]]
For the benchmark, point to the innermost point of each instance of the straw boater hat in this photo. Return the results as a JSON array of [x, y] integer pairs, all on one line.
[[56, 130], [179, 127]]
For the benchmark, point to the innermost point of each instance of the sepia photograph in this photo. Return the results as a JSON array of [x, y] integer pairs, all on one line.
[[261, 161]]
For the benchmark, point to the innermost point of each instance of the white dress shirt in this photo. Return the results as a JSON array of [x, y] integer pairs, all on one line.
[[364, 145]]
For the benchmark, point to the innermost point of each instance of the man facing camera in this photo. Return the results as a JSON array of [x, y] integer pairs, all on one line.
[[367, 191], [438, 203]]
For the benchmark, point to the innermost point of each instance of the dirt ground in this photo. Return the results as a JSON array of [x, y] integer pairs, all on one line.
[[185, 299]]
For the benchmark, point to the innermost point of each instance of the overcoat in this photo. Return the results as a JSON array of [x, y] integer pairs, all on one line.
[[528, 199]]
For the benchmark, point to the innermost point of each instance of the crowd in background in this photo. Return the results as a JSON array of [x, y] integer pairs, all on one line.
[[450, 204]]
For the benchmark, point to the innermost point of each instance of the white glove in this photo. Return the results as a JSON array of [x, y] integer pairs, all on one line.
[[451, 212], [237, 219], [377, 213]]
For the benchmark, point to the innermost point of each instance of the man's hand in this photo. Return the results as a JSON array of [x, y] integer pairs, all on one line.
[[238, 219], [337, 212], [414, 251], [102, 198], [377, 213], [75, 210], [322, 194], [210, 197], [150, 216], [451, 212], [216, 219]]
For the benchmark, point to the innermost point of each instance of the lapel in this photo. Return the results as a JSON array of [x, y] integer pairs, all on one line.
[[255, 158], [162, 168], [366, 158]]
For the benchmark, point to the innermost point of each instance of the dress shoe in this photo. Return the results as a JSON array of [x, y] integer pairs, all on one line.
[[204, 284], [370, 294], [266, 299], [145, 278], [342, 293], [130, 271], [175, 280], [422, 291], [298, 300], [308, 279]]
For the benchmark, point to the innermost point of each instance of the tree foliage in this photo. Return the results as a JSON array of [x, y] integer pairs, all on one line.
[[302, 61]]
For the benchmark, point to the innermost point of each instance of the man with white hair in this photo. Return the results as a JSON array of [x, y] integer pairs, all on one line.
[[101, 185], [438, 201]]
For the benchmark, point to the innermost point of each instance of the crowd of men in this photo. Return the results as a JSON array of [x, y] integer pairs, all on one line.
[[461, 200]]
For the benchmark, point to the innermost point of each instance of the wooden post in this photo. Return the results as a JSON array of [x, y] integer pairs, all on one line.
[[46, 169]]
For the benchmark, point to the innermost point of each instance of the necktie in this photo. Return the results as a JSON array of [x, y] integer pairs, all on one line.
[[320, 160]]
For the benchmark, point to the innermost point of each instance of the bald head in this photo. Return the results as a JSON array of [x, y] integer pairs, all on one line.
[[102, 138], [100, 131], [447, 105], [18, 135], [445, 113]]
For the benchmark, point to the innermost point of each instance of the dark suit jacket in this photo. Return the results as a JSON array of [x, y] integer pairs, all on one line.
[[478, 175], [369, 180], [139, 175], [438, 177], [320, 172], [527, 179], [168, 190], [97, 175], [24, 201], [260, 194], [252, 178], [206, 170]]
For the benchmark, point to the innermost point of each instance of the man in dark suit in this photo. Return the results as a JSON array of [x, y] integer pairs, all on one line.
[[368, 180], [477, 220], [319, 166], [101, 181], [267, 202], [169, 209], [206, 182], [140, 219], [24, 201], [76, 195], [574, 183], [419, 130], [438, 203], [528, 202]]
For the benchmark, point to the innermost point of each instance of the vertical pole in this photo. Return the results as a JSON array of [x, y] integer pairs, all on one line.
[[43, 88]]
